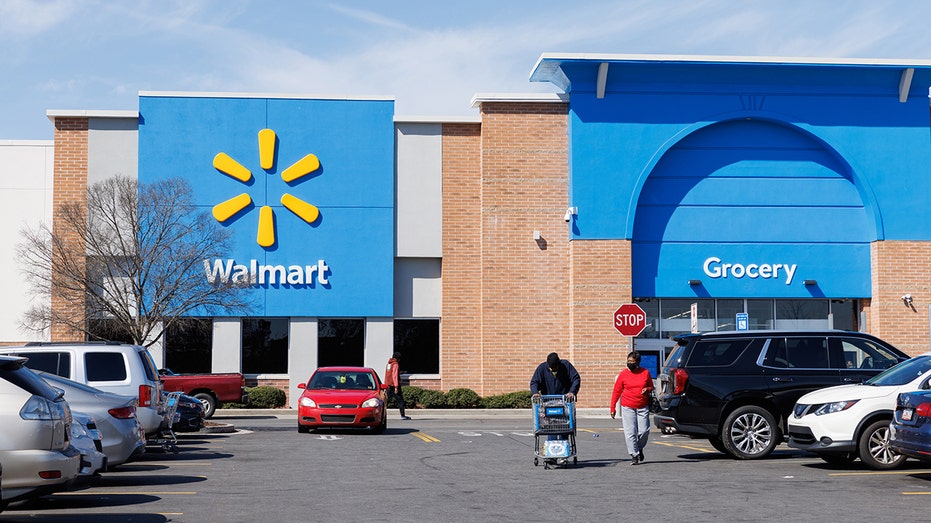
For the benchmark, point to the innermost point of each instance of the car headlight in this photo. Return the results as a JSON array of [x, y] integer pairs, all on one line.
[[371, 403], [837, 406], [307, 402]]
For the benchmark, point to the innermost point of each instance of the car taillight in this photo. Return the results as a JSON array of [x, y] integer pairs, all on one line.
[[50, 474], [923, 409], [680, 377], [145, 396], [123, 412], [39, 408]]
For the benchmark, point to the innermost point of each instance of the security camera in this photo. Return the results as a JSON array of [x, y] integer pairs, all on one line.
[[907, 299], [570, 212]]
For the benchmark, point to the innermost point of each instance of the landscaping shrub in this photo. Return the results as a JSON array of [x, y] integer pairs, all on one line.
[[509, 400], [411, 397], [266, 397], [431, 399], [463, 399]]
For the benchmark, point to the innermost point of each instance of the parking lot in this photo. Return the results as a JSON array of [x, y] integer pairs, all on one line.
[[438, 468]]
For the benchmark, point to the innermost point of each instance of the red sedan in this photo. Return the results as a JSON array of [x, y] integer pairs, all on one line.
[[338, 397]]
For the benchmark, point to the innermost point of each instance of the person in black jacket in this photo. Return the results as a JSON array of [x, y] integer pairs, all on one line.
[[555, 376]]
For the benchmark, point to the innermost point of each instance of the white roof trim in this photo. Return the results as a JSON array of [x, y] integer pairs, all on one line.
[[27, 143], [183, 94], [76, 113], [479, 98], [437, 119], [600, 57]]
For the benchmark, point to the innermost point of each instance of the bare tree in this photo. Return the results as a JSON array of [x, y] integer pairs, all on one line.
[[133, 255]]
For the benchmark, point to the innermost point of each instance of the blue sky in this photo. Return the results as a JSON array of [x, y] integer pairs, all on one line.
[[431, 56]]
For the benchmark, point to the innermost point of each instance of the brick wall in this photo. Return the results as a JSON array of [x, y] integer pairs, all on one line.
[[70, 185], [513, 289], [460, 327], [900, 268], [601, 281]]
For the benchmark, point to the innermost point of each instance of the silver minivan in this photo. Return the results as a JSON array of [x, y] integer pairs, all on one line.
[[35, 443], [110, 366]]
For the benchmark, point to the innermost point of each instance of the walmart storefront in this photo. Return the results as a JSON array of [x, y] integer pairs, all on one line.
[[792, 191]]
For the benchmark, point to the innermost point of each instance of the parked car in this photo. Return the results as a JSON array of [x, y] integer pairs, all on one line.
[[342, 397], [114, 367], [910, 431], [35, 443], [191, 414], [86, 438], [845, 422], [115, 415], [211, 389], [737, 389]]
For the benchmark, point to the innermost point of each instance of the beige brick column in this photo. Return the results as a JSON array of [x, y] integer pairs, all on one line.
[[70, 185]]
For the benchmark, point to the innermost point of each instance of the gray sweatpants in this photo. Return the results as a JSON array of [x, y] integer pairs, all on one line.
[[636, 428]]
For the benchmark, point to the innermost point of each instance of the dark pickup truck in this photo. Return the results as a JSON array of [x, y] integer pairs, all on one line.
[[211, 389]]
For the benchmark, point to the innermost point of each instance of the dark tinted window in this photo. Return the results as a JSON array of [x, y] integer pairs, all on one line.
[[53, 362], [861, 353], [418, 341], [265, 345], [104, 366], [798, 353], [188, 345], [340, 342], [716, 353]]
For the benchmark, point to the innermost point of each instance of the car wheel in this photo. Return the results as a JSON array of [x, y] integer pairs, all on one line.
[[750, 432], [381, 426], [844, 458], [209, 403], [718, 444], [303, 429], [874, 448]]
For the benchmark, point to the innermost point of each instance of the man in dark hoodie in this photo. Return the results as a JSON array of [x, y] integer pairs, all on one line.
[[393, 381], [555, 376]]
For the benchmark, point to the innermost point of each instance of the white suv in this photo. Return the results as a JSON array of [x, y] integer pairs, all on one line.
[[35, 443], [114, 367], [843, 423]]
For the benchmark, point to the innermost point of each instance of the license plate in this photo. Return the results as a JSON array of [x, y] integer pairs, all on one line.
[[907, 414]]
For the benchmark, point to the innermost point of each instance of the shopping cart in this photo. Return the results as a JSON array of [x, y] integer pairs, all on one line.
[[166, 436], [554, 418]]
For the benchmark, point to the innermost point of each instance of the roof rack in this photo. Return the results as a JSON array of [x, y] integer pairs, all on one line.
[[54, 343]]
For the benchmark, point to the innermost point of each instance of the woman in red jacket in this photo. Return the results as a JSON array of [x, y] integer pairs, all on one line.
[[633, 386]]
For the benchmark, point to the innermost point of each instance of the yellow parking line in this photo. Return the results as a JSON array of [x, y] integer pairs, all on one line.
[[880, 473], [917, 493], [689, 447], [585, 430], [425, 437]]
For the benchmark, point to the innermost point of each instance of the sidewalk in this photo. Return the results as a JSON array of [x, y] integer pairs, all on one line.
[[414, 413]]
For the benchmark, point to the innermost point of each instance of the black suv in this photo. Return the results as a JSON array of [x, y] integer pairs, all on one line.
[[738, 388]]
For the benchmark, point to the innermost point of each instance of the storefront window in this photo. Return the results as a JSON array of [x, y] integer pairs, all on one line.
[[761, 314], [727, 314], [845, 314], [188, 345], [676, 316], [340, 342], [265, 346], [107, 330], [418, 341], [801, 314]]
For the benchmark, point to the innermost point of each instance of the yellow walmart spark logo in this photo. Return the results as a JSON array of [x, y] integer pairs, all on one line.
[[267, 151]]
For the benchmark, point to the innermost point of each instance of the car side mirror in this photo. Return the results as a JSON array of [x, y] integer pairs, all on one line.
[[384, 386], [302, 385]]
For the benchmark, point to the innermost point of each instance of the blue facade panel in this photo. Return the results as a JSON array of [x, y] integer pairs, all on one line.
[[800, 166], [341, 264]]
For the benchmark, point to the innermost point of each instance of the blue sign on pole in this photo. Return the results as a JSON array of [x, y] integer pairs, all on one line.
[[743, 321]]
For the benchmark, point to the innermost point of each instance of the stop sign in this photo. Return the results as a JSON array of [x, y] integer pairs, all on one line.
[[629, 319]]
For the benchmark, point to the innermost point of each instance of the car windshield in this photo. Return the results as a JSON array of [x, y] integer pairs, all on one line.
[[342, 380], [902, 373]]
